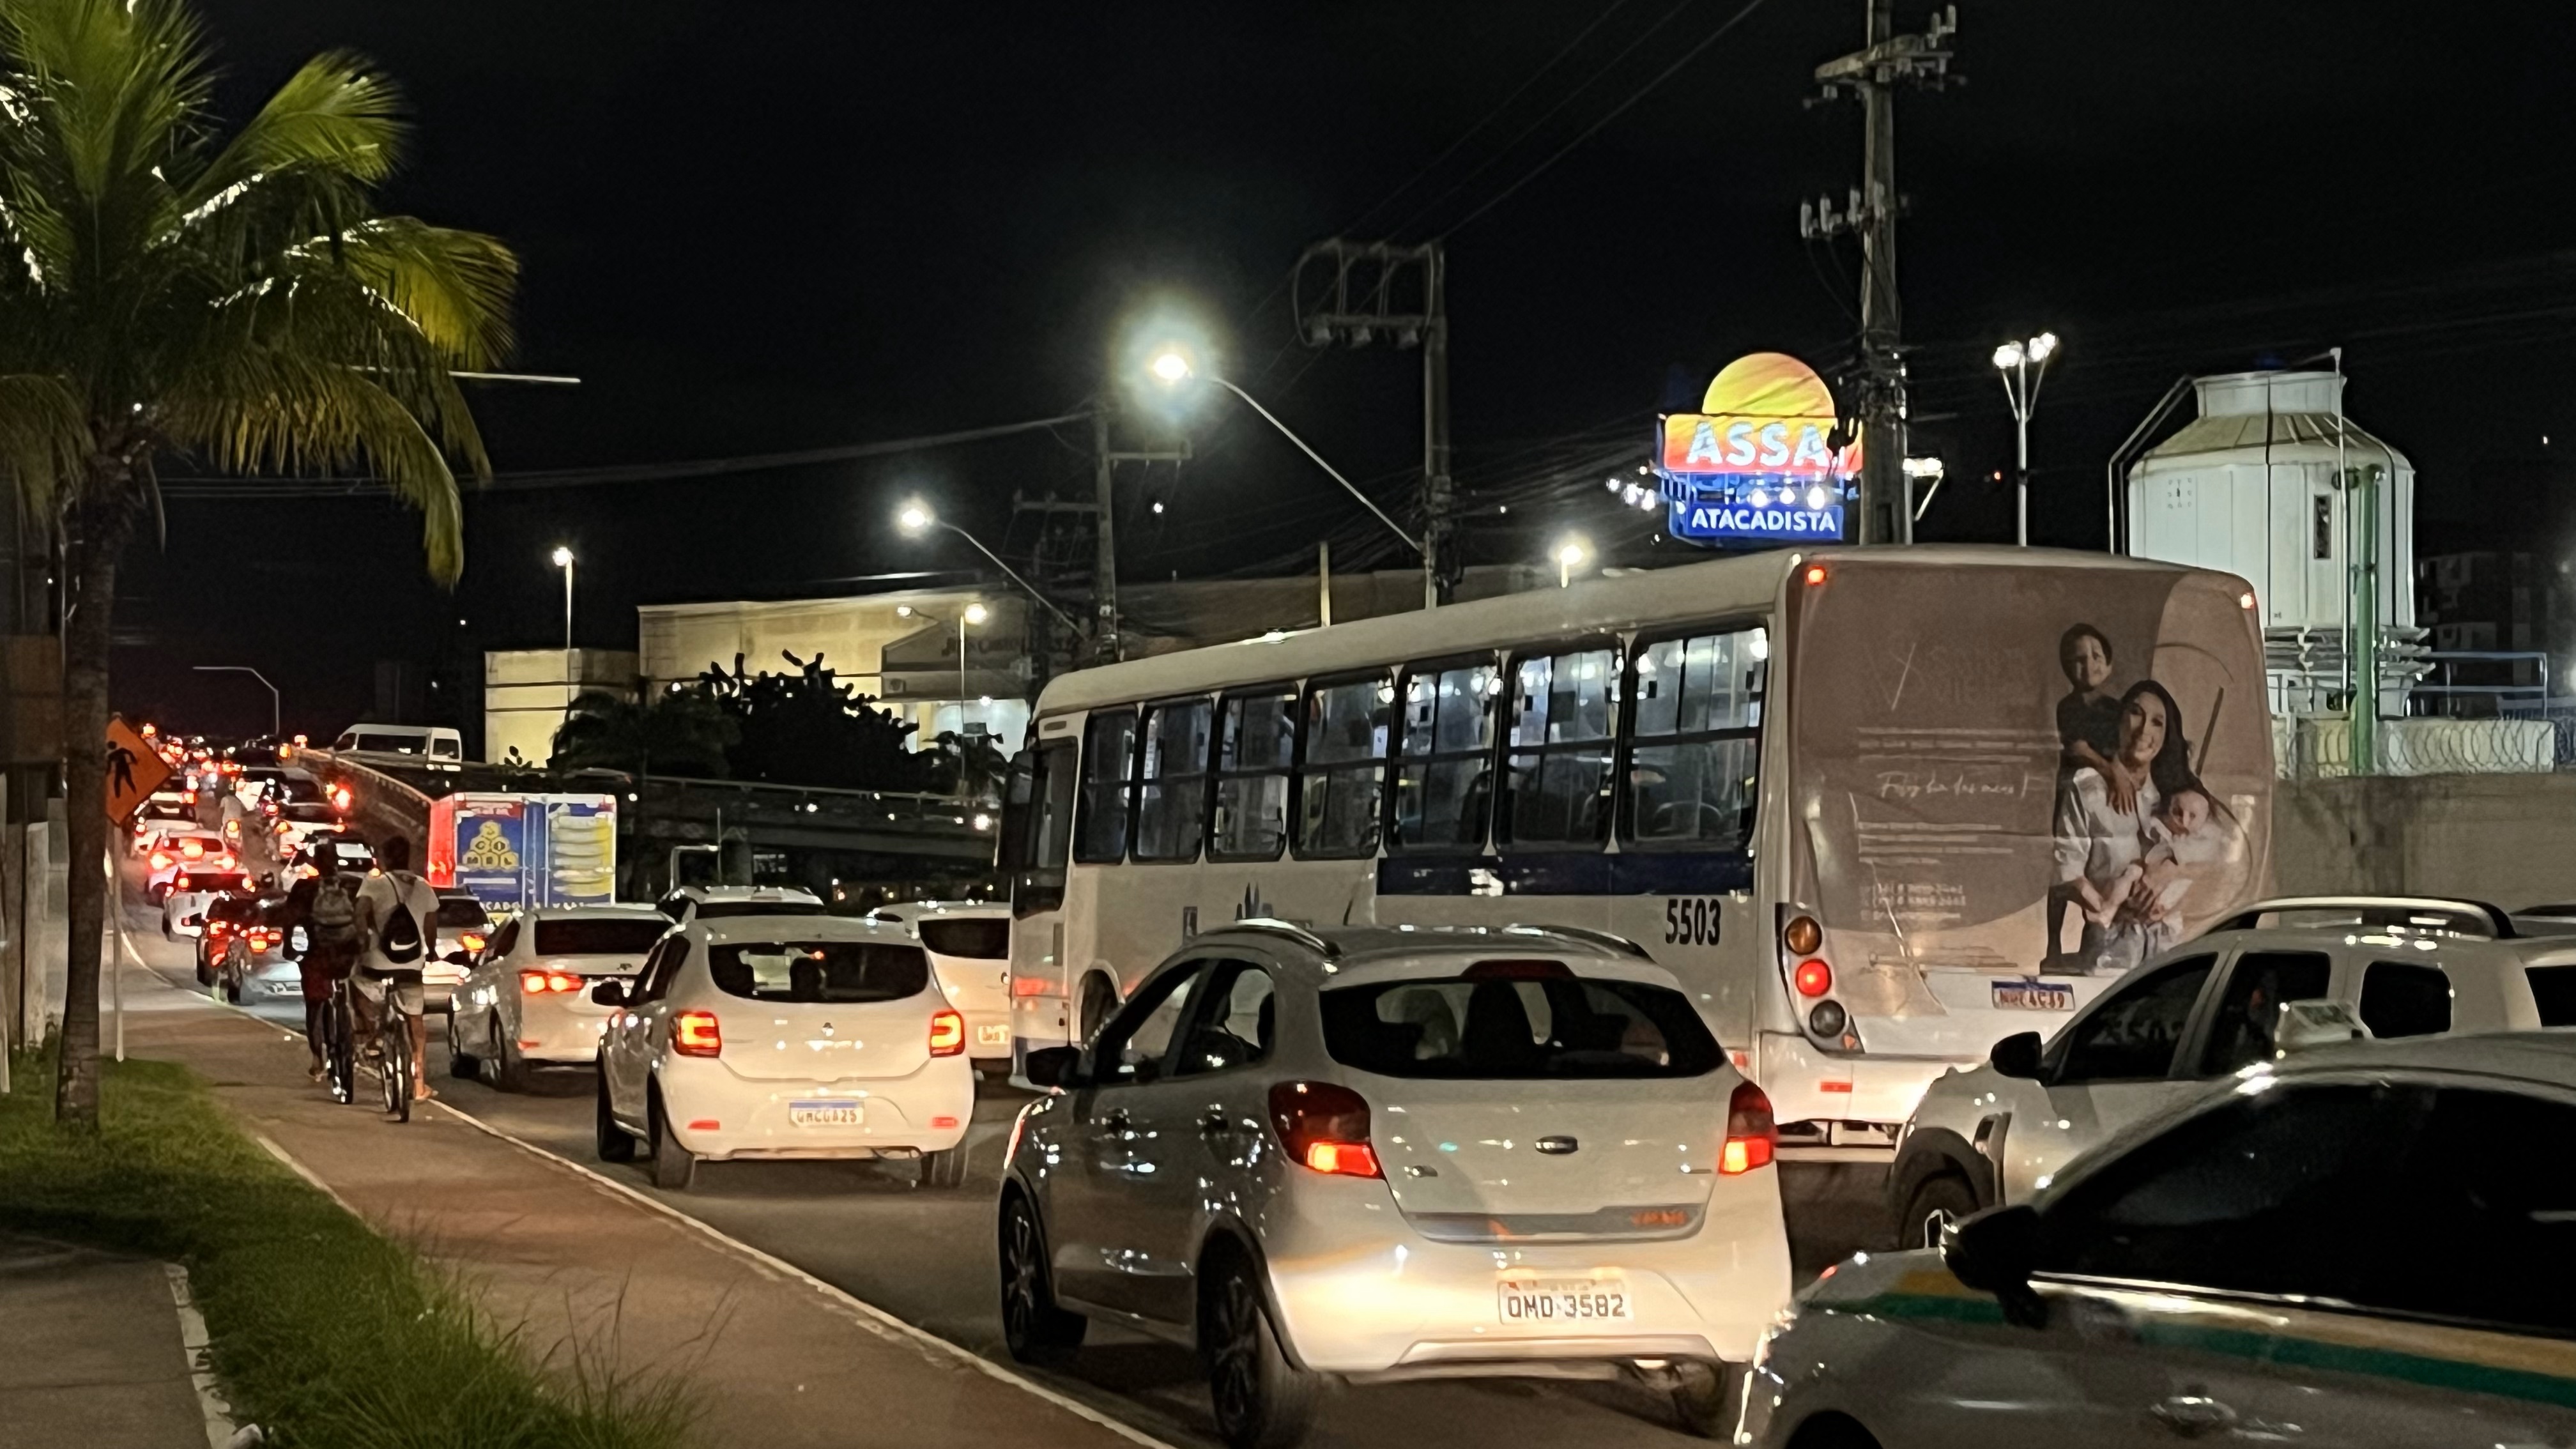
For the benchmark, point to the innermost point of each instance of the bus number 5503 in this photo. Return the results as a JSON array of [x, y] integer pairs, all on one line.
[[1690, 921]]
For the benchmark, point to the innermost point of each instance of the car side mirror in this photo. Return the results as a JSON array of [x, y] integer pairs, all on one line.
[[1993, 1252], [608, 993], [1058, 1068], [2016, 1056]]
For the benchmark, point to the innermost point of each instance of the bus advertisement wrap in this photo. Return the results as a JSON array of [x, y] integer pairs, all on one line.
[[2010, 774]]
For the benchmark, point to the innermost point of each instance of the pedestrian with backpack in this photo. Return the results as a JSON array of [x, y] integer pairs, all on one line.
[[325, 906], [398, 920]]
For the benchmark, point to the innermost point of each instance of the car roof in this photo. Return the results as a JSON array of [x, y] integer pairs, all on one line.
[[2547, 1057], [704, 893], [802, 928], [1344, 948], [618, 911], [916, 910]]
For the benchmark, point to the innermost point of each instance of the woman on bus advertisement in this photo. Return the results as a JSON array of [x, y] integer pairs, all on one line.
[[2043, 771]]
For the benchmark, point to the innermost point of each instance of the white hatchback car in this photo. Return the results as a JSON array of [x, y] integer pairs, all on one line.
[[970, 949], [527, 999], [2198, 1013], [1377, 1153], [2363, 1246], [785, 1037]]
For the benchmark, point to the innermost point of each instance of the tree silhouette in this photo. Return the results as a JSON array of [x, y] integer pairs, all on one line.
[[808, 728], [678, 732]]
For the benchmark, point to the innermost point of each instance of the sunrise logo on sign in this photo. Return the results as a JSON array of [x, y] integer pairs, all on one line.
[[1760, 463]]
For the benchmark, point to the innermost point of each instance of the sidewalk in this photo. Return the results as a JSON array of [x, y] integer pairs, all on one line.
[[778, 1360], [90, 1354]]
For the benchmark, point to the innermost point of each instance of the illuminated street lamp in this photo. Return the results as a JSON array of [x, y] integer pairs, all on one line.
[[1571, 554], [562, 557], [2023, 366], [915, 518], [1171, 366]]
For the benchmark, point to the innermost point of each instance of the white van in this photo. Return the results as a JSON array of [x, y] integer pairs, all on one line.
[[434, 742]]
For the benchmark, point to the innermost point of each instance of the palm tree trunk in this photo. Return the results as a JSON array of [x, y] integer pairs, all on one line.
[[107, 522]]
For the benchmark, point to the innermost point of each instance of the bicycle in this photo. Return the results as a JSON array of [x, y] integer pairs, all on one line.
[[393, 1045], [339, 1044]]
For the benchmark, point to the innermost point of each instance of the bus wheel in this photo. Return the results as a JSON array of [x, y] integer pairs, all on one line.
[[1099, 998]]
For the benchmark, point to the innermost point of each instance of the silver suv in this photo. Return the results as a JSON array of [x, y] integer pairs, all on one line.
[[1377, 1153]]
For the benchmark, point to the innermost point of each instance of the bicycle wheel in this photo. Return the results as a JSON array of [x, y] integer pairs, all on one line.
[[340, 1027], [395, 1063]]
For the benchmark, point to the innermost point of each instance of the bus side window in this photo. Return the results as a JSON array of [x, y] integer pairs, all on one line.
[[1695, 740], [1171, 788], [1255, 749], [1108, 747], [1561, 741], [1444, 775], [1341, 787]]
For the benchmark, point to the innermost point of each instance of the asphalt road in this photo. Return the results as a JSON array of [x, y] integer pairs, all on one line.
[[927, 1256]]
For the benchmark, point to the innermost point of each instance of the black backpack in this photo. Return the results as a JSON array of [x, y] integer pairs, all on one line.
[[398, 940], [332, 922]]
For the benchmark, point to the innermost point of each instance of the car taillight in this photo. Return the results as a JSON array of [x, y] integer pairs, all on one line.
[[473, 941], [947, 1034], [1813, 978], [1325, 1127], [1031, 986], [217, 928], [260, 941], [340, 798], [541, 983], [163, 860], [192, 849], [1751, 1136], [694, 1034]]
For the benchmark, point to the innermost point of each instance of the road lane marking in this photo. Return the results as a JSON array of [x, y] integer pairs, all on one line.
[[867, 1315], [302, 1171]]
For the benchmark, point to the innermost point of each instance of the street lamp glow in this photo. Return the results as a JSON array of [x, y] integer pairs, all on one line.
[[562, 558], [2023, 365], [914, 518], [2042, 345], [976, 614], [1170, 365], [2008, 356], [1571, 554]]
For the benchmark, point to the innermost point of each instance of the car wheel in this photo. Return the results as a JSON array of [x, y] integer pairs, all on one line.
[[944, 1170], [1832, 1431], [674, 1166], [1034, 1329], [1938, 1202], [1705, 1398], [1262, 1401], [459, 1064], [614, 1143], [509, 1069]]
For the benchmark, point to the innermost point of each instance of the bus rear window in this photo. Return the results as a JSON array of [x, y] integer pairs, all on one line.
[[984, 940], [819, 972], [1513, 1030]]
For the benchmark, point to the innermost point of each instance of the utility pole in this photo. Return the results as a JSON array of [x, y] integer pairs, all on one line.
[[1873, 73], [1104, 581], [1358, 309]]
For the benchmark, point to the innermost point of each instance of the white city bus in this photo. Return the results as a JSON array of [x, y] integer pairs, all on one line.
[[1861, 802]]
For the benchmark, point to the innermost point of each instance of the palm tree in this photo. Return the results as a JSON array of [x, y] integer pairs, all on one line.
[[680, 732], [164, 291]]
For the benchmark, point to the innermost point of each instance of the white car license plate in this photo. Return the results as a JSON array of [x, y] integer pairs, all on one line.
[[823, 1114], [999, 1036], [1563, 1300], [2029, 995]]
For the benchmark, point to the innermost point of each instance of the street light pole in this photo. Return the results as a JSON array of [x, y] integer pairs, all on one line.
[[274, 727], [916, 517], [2021, 391], [563, 560], [1172, 367]]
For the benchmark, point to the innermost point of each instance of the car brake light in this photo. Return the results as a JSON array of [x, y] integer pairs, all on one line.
[[217, 928], [1325, 1126], [695, 1034], [947, 1034], [1751, 1136], [1813, 978], [258, 942], [193, 849], [541, 983], [473, 941], [162, 860], [187, 797], [340, 798], [1031, 986]]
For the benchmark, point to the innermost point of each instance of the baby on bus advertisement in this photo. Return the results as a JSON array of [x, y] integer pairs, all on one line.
[[2022, 772]]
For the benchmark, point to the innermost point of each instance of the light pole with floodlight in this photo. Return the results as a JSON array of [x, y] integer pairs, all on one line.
[[1172, 367], [563, 560], [2014, 362], [1570, 555], [915, 518]]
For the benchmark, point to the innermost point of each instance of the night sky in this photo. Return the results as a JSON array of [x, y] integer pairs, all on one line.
[[765, 226]]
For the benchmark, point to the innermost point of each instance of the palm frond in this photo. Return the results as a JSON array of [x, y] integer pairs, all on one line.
[[44, 437], [335, 116]]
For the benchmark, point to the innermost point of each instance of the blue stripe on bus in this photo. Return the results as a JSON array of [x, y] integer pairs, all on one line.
[[1567, 873]]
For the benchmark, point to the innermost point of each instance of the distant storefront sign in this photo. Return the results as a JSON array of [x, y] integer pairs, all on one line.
[[1760, 463]]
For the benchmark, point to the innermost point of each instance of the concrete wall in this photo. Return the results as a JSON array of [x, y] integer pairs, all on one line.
[[525, 692], [2505, 839]]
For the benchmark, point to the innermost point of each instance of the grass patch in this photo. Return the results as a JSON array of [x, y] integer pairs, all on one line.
[[324, 1332]]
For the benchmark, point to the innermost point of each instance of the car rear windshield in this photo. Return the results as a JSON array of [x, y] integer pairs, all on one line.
[[728, 910], [462, 911], [609, 937], [210, 883], [1499, 1029], [819, 971], [2553, 990], [984, 940]]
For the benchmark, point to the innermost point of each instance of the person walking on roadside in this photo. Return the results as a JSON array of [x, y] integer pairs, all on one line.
[[398, 919], [325, 905]]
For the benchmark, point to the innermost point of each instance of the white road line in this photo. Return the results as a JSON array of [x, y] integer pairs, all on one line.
[[201, 1373], [866, 1314]]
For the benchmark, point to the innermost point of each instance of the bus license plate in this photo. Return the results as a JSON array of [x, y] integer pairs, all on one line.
[[823, 1114], [2034, 996], [1563, 1300]]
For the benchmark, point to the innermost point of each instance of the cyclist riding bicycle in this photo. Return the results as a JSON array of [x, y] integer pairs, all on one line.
[[398, 919], [325, 906]]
